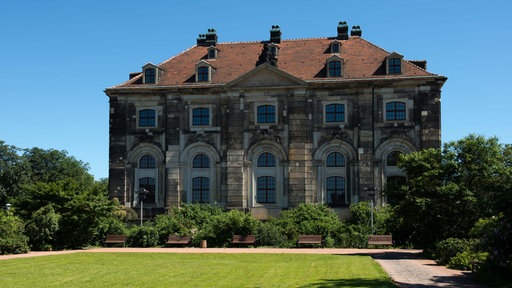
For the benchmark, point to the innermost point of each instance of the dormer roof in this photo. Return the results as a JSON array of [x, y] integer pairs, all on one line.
[[303, 59]]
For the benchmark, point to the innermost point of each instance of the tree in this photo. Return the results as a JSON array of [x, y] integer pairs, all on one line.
[[42, 227], [449, 190], [14, 172]]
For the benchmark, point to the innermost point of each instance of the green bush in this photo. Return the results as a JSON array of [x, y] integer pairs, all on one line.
[[12, 239], [220, 228], [166, 224], [311, 219], [270, 234], [41, 228], [143, 236], [467, 260], [449, 248]]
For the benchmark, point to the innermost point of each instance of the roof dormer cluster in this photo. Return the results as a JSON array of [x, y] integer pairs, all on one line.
[[340, 57]]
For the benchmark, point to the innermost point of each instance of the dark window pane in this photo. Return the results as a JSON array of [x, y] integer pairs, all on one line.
[[147, 162], [201, 161], [266, 160], [201, 116], [395, 111], [335, 113], [147, 118], [266, 189], [203, 74], [147, 183], [201, 189], [266, 114], [150, 75], [335, 159]]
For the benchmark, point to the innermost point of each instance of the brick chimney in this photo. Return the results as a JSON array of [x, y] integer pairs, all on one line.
[[342, 31], [275, 34], [356, 31], [211, 38]]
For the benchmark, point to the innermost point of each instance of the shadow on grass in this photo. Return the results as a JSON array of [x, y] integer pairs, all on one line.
[[370, 283]]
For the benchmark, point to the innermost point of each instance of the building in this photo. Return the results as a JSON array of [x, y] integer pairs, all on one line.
[[266, 125]]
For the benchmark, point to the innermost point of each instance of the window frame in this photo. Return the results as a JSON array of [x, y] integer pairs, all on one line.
[[142, 119], [393, 114], [266, 194], [330, 193], [204, 188], [394, 66], [265, 114], [147, 161], [203, 161], [150, 75], [201, 117]]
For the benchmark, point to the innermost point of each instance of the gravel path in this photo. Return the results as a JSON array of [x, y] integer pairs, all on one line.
[[404, 266]]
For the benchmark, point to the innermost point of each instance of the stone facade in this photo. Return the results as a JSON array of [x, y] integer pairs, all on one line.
[[249, 131]]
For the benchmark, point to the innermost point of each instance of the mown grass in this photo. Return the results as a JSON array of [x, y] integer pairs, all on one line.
[[192, 270]]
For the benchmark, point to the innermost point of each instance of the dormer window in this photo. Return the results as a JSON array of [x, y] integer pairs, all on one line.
[[212, 52], [335, 67], [335, 47], [394, 64], [150, 73], [203, 72]]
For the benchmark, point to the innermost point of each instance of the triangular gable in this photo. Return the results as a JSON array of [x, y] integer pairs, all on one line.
[[266, 75]]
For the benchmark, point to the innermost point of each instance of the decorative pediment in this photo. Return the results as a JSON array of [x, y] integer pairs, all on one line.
[[266, 75]]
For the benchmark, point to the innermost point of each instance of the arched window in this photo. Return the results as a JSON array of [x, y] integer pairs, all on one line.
[[266, 160], [335, 159], [266, 189], [201, 161], [201, 189], [393, 158], [147, 162]]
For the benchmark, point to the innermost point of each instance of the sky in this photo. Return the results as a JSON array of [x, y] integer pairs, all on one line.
[[58, 56]]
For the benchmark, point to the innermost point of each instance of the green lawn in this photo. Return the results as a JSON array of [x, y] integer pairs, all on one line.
[[192, 270]]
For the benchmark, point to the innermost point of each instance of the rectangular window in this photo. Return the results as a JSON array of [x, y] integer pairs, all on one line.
[[147, 118], [394, 66], [150, 75], [203, 74], [335, 69], [395, 111], [266, 190], [334, 113], [266, 114], [200, 116], [201, 189]]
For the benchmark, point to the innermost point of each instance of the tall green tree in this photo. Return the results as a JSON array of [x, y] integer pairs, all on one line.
[[448, 190], [14, 172]]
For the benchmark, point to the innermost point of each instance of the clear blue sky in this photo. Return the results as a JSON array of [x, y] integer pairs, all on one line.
[[58, 56]]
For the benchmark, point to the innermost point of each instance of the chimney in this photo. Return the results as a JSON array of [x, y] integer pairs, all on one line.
[[275, 34], [356, 31], [211, 38], [342, 31], [201, 40]]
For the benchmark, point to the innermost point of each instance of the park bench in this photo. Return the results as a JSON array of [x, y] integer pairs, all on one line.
[[243, 239], [178, 240], [380, 240], [309, 239], [115, 239]]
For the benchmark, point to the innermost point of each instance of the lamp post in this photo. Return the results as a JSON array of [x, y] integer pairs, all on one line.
[[143, 195], [372, 195], [8, 206]]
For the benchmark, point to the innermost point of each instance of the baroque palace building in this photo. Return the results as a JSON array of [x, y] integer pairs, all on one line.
[[266, 125]]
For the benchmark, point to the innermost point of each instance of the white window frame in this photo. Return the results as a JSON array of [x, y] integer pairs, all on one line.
[[335, 58], [202, 64]]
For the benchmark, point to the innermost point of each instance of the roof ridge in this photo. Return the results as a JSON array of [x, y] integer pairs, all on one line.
[[181, 53]]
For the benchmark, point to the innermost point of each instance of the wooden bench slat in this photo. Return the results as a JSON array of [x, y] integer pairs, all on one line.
[[380, 240], [310, 239], [174, 239], [241, 239], [115, 239]]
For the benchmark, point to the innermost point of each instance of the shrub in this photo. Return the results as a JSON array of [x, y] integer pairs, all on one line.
[[467, 260], [143, 236], [41, 228], [166, 224], [270, 234], [12, 240], [220, 228], [449, 248]]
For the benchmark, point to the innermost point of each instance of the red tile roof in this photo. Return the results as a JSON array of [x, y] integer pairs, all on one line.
[[302, 58]]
